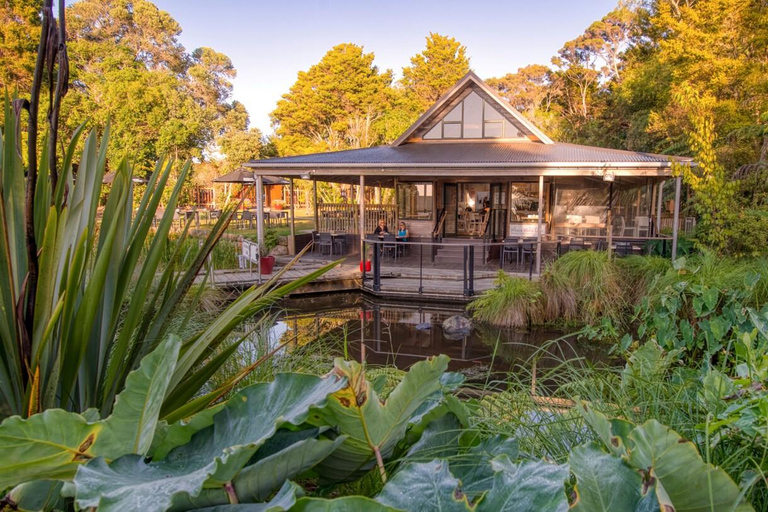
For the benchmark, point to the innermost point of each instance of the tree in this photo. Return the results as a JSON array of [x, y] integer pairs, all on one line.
[[334, 105], [435, 70], [530, 90], [19, 35], [714, 190], [129, 67]]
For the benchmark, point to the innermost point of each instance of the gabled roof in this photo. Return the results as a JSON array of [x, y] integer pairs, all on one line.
[[455, 94]]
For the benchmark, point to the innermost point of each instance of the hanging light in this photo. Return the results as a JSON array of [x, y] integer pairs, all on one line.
[[609, 176]]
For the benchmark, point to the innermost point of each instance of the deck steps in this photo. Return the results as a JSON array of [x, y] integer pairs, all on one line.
[[451, 252]]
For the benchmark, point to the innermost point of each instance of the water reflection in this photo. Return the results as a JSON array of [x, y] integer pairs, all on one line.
[[401, 334]]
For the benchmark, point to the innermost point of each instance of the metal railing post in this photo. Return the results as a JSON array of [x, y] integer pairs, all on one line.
[[530, 266], [376, 268], [466, 288], [421, 268], [363, 258], [471, 289]]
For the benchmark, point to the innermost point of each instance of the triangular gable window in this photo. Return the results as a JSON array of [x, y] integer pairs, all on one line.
[[474, 118]]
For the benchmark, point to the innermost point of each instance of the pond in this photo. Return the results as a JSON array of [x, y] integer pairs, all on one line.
[[388, 333]]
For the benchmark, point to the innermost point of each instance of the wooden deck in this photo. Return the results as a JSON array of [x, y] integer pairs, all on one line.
[[396, 281]]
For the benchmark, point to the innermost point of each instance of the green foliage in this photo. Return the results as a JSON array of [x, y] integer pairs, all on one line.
[[435, 70], [513, 302], [702, 304], [333, 105], [714, 190], [584, 285]]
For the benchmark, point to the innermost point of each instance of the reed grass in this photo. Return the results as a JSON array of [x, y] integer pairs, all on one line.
[[513, 302]]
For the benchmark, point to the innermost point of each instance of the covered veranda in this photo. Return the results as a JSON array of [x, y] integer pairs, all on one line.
[[479, 189]]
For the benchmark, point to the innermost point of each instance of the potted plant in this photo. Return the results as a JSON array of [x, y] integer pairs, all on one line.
[[278, 204], [267, 261]]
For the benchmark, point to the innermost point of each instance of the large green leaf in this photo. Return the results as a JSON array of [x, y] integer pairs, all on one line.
[[168, 437], [473, 467], [691, 484], [53, 444], [131, 427], [345, 504], [49, 445], [283, 457], [604, 483], [214, 456], [425, 486], [37, 496], [284, 500], [529, 486], [369, 424]]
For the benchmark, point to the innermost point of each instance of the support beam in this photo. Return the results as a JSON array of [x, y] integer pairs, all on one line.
[[659, 201], [676, 218], [260, 208], [314, 190], [292, 239], [539, 223], [260, 217], [609, 221], [361, 228]]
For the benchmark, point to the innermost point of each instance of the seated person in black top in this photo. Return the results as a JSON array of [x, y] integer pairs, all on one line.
[[381, 228]]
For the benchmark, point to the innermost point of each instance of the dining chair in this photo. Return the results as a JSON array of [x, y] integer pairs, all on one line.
[[324, 240], [390, 245]]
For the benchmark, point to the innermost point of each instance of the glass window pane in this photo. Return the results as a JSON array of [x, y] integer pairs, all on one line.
[[452, 131], [511, 131], [414, 201], [434, 133], [491, 114], [493, 130], [454, 115], [473, 116]]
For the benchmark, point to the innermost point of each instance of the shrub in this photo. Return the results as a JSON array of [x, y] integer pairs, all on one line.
[[584, 285], [514, 302]]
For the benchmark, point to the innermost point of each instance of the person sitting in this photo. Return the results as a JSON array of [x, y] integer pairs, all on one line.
[[381, 228], [402, 232]]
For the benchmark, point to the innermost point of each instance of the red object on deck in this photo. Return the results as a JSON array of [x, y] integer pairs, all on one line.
[[267, 264], [367, 266]]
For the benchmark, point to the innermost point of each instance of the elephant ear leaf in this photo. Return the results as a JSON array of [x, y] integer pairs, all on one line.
[[613, 433], [529, 486], [605, 483], [373, 428], [425, 486], [50, 445], [131, 427], [689, 483], [214, 456]]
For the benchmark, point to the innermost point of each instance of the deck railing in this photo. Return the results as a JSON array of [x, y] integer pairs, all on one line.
[[404, 268], [345, 217]]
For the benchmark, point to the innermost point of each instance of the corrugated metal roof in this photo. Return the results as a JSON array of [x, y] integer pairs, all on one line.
[[466, 153]]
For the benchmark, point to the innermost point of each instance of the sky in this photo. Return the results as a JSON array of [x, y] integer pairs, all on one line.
[[270, 41]]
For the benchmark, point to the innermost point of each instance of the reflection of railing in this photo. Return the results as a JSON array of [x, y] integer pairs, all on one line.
[[345, 217]]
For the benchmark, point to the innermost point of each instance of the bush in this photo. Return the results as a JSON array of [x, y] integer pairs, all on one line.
[[514, 302], [585, 286]]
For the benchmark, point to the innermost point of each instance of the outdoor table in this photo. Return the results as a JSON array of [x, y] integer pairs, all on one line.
[[341, 239]]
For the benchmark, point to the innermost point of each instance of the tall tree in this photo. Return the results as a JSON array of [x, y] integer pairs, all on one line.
[[129, 67], [19, 35], [433, 71], [336, 104]]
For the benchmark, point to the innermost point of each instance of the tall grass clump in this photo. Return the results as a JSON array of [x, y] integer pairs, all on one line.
[[585, 286], [513, 302]]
